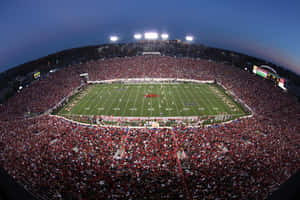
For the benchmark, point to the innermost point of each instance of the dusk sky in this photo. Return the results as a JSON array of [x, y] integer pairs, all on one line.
[[267, 29]]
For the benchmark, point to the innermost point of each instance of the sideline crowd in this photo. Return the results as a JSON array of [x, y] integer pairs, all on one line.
[[246, 159]]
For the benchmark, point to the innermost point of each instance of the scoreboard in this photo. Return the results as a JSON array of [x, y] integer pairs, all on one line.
[[261, 72], [37, 75], [280, 82]]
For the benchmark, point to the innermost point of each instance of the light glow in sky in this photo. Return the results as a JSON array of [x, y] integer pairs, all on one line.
[[137, 36], [189, 38], [266, 29], [151, 35], [114, 38]]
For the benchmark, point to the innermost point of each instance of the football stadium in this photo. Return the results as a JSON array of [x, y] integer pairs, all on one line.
[[149, 120]]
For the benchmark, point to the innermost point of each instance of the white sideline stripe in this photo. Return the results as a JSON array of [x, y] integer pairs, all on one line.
[[169, 108], [132, 109], [116, 108], [100, 108], [151, 109], [186, 108]]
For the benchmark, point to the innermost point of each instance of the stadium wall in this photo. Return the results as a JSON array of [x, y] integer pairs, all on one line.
[[149, 81]]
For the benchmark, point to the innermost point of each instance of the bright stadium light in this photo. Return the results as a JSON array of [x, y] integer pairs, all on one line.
[[151, 36], [164, 36], [114, 38], [189, 38], [137, 36]]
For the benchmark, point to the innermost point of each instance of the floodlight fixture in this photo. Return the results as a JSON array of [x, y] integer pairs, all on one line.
[[137, 36], [189, 38], [114, 38], [150, 35], [164, 36]]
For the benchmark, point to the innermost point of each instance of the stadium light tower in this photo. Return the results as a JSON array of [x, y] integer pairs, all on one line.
[[164, 36], [189, 38], [113, 38], [150, 35], [137, 36]]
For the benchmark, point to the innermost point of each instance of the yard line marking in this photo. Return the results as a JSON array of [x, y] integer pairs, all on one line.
[[201, 97], [182, 103], [111, 103], [94, 101], [151, 99], [193, 98], [143, 102], [159, 92], [177, 110], [136, 95], [85, 100], [217, 93], [167, 101], [120, 99], [125, 108], [105, 92], [92, 104]]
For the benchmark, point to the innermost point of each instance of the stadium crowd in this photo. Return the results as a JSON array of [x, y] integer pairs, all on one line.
[[245, 159]]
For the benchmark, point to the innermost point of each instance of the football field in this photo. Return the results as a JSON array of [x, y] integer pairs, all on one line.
[[152, 100]]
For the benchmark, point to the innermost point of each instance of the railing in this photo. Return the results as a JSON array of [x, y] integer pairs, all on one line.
[[151, 80]]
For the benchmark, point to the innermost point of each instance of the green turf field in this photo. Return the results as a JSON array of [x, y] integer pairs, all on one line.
[[184, 99]]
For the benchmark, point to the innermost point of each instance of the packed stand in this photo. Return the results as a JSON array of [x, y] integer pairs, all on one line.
[[245, 159]]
